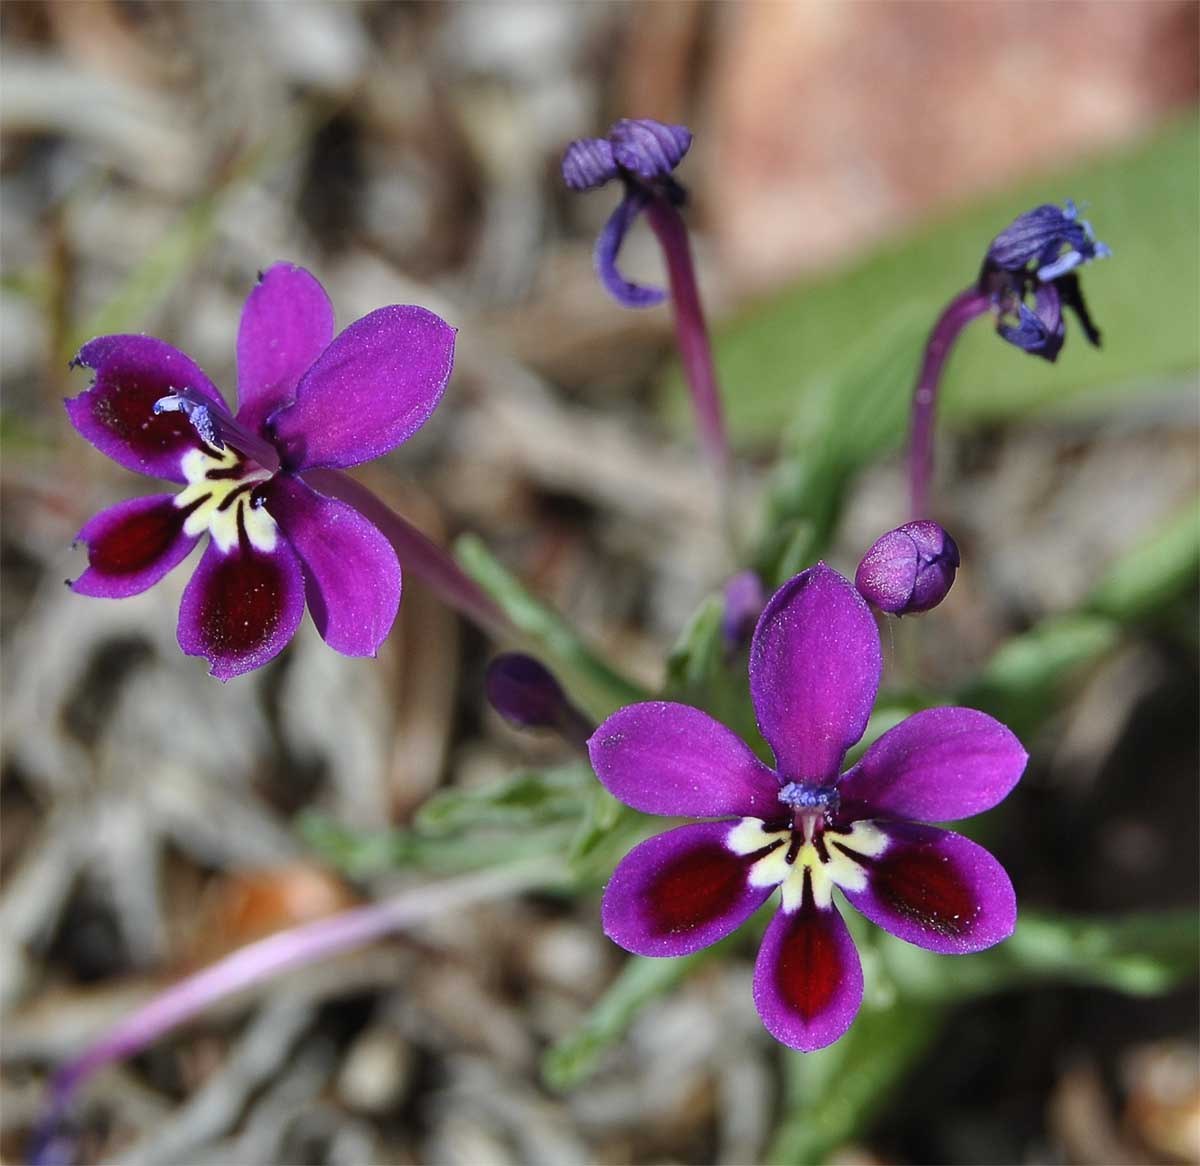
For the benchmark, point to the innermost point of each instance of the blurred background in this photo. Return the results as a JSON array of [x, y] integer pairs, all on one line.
[[851, 164]]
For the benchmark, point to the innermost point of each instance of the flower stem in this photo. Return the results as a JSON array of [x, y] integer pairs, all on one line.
[[961, 310], [691, 334], [424, 558], [294, 948]]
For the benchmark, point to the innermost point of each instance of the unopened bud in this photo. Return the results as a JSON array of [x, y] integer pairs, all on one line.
[[525, 693], [908, 570]]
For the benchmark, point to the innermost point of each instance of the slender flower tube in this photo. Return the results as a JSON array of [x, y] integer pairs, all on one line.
[[285, 526], [1033, 259], [643, 154], [803, 827], [265, 959], [908, 570]]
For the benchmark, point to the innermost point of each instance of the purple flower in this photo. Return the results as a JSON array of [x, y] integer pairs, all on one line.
[[909, 569], [306, 401], [814, 670], [642, 153], [1036, 256]]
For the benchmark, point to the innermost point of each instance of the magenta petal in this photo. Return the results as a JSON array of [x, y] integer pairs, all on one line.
[[116, 414], [241, 609], [665, 758], [286, 324], [808, 981], [935, 766], [936, 889], [371, 389], [132, 545], [680, 891], [814, 671], [351, 574]]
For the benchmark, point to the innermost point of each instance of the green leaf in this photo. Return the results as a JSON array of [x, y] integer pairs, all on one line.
[[1029, 677], [596, 685], [829, 1095], [773, 360], [527, 799], [639, 982], [1141, 955], [1153, 574], [858, 410]]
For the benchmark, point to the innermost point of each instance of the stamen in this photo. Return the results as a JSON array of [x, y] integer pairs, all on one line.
[[217, 429], [804, 795]]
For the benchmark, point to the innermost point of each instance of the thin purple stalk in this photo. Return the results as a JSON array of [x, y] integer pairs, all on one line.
[[294, 948], [423, 557], [961, 310], [691, 332]]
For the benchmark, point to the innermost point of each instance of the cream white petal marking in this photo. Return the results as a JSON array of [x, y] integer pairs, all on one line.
[[224, 500], [828, 865]]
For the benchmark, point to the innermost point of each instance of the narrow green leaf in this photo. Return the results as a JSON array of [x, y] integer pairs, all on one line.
[[775, 357], [829, 1095], [640, 981], [1140, 955], [523, 800], [1153, 574]]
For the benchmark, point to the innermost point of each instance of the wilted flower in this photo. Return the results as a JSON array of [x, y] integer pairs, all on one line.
[[306, 401], [909, 569], [814, 670], [1036, 256], [643, 153]]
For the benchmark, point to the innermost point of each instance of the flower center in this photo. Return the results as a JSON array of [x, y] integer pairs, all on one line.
[[221, 497], [825, 858]]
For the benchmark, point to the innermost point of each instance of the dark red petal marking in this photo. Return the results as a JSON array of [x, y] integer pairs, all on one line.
[[810, 968], [695, 888], [125, 407], [138, 541], [242, 604], [919, 884]]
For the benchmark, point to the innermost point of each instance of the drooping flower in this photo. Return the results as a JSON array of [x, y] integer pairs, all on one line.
[[643, 154], [1036, 257], [307, 402], [909, 569], [803, 826]]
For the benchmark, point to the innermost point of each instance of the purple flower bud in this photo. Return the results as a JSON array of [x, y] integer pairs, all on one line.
[[525, 693], [1037, 255], [908, 570], [744, 600]]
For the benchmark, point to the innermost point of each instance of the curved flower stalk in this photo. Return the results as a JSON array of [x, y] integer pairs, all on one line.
[[642, 154], [803, 827], [264, 959], [264, 483], [1034, 260]]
